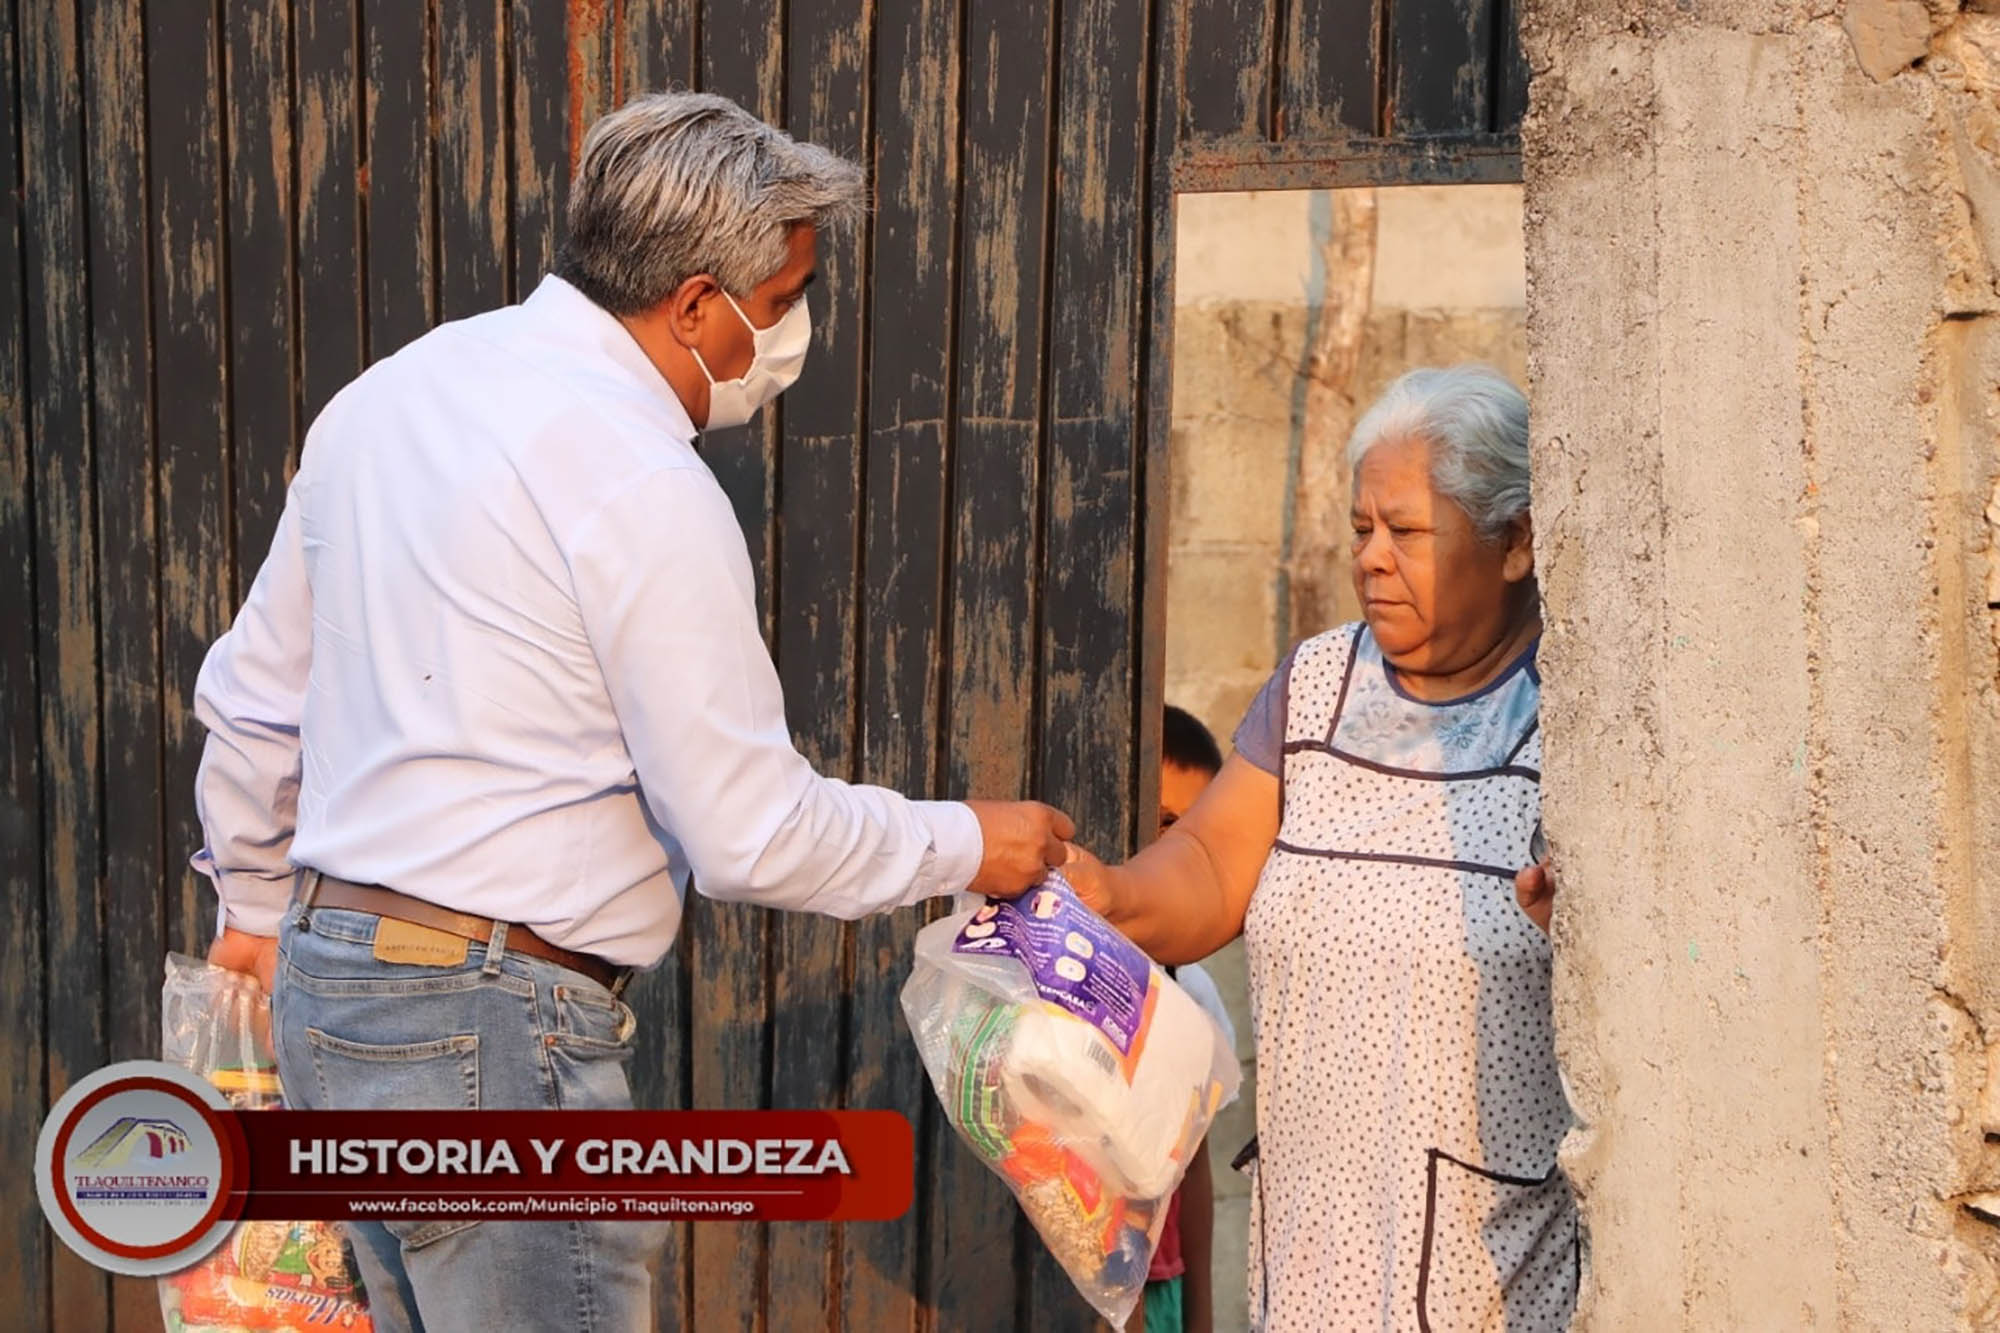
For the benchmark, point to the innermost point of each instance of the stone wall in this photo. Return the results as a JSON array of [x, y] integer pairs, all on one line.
[[1761, 326]]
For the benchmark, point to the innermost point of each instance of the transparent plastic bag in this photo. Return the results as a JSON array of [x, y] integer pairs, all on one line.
[[268, 1277], [1078, 1071]]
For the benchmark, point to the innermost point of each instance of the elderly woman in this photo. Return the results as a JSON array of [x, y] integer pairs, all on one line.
[[1368, 840]]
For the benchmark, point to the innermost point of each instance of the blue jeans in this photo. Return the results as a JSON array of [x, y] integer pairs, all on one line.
[[504, 1032]]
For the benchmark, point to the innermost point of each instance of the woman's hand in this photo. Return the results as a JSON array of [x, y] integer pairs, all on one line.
[[1091, 879], [1535, 888]]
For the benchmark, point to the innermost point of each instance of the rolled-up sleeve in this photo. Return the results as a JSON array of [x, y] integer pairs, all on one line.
[[664, 584], [1260, 736], [250, 696]]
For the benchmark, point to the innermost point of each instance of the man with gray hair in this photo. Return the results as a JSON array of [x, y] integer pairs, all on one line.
[[498, 693]]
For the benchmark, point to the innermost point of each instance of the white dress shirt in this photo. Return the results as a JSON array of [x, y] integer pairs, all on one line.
[[504, 657]]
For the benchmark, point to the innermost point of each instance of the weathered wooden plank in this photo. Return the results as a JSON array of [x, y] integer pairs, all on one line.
[[472, 93], [919, 97], [329, 253], [402, 243], [741, 57], [656, 47], [24, 1258], [650, 32], [262, 393], [1441, 68], [660, 1002], [970, 1225], [592, 56], [191, 385], [1156, 371], [1003, 313], [66, 568], [1226, 67], [121, 411], [1095, 419], [1094, 399], [818, 525], [1510, 94], [729, 962], [909, 403], [263, 386], [1339, 164], [133, 933], [656, 36], [1328, 83], [541, 137], [653, 38]]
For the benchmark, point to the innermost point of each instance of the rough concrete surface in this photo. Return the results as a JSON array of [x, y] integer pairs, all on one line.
[[1764, 377], [1888, 35]]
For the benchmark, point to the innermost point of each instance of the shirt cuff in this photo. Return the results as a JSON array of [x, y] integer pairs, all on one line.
[[957, 847], [251, 903]]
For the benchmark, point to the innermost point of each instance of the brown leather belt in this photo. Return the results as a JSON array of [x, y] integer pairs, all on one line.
[[378, 901]]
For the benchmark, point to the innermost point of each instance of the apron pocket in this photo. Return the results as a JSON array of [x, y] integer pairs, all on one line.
[[1500, 1251]]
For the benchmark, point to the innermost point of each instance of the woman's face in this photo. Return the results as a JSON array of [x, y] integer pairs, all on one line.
[[1436, 596]]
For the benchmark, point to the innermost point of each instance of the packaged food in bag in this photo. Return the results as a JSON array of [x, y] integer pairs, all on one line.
[[268, 1277], [1076, 1069]]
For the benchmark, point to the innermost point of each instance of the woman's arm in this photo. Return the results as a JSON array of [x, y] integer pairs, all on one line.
[[1184, 897]]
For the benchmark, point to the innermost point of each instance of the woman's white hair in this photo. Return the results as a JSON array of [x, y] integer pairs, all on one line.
[[1476, 424], [672, 185]]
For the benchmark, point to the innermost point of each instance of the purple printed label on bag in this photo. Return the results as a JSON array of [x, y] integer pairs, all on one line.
[[1076, 959]]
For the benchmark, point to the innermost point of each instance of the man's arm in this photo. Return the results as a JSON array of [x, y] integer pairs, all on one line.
[[665, 588], [251, 695]]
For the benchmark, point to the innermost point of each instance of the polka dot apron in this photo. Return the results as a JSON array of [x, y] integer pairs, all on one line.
[[1408, 1101]]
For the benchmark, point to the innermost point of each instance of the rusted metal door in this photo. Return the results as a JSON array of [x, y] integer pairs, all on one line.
[[218, 211]]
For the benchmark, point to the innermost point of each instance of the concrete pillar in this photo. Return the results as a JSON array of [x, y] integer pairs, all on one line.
[[1764, 366]]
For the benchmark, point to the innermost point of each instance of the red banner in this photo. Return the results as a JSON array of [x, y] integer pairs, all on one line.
[[764, 1166]]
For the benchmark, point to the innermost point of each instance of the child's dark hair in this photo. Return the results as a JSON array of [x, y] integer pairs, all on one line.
[[1186, 743]]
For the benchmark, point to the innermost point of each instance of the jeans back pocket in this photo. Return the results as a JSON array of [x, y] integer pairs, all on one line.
[[440, 1075]]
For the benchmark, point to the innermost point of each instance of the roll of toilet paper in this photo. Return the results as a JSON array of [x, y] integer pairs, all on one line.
[[1129, 1115]]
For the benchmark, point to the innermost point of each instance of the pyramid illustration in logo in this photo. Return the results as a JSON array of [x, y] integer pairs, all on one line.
[[133, 1139]]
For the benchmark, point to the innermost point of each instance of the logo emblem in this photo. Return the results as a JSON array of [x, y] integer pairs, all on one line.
[[148, 1140], [140, 1168]]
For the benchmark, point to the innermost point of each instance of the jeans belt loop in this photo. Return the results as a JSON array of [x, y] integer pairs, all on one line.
[[496, 949], [304, 889]]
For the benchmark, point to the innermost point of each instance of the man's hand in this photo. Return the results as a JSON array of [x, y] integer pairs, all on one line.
[[1024, 839], [1535, 887], [240, 951]]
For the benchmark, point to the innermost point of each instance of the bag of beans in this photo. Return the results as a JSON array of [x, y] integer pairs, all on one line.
[[268, 1277], [1076, 1068]]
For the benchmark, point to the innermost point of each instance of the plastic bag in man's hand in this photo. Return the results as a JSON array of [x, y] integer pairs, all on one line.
[[271, 1277], [1078, 1070]]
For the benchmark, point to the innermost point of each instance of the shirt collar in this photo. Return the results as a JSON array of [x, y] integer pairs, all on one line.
[[557, 301]]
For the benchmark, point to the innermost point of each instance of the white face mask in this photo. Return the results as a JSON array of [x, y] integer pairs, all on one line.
[[777, 356]]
